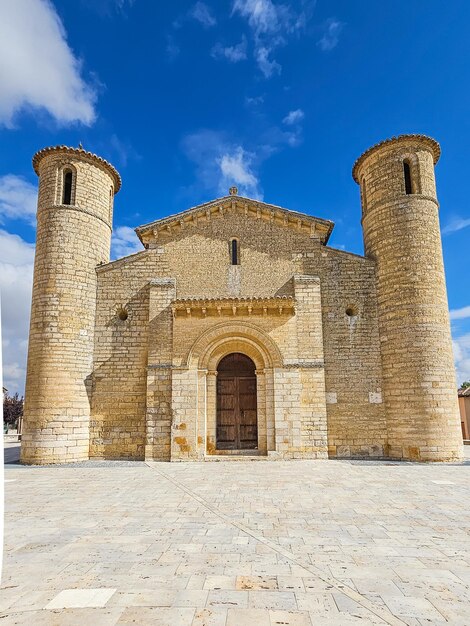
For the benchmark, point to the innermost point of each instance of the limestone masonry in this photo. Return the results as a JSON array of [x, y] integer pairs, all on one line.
[[237, 330]]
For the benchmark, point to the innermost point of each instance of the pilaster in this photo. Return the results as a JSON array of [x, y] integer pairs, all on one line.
[[300, 401], [162, 291]]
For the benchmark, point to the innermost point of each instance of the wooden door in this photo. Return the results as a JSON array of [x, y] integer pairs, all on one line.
[[237, 424]]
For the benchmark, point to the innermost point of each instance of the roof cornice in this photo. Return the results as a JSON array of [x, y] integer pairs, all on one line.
[[90, 156], [432, 144], [256, 305], [320, 227]]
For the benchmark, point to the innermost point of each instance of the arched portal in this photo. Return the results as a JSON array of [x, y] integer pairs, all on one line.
[[237, 424], [202, 360]]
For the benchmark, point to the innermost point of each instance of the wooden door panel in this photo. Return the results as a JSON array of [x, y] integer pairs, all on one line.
[[237, 426], [247, 393], [226, 414], [248, 426], [248, 436]]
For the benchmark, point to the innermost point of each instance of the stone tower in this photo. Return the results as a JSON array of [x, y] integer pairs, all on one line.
[[74, 219], [401, 232]]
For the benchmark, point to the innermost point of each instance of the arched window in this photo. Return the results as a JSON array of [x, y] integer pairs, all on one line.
[[234, 252], [364, 194], [67, 187], [407, 175], [111, 197]]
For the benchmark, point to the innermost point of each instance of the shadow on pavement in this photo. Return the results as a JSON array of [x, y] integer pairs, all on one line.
[[12, 454]]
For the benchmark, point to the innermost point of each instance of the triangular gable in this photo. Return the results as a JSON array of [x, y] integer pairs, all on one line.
[[316, 227]]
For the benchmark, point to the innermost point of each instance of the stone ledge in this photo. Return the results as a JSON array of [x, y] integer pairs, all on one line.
[[234, 306]]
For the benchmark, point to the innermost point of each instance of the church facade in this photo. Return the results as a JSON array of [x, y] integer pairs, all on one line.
[[237, 330]]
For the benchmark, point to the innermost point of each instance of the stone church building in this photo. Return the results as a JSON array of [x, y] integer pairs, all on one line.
[[237, 330]]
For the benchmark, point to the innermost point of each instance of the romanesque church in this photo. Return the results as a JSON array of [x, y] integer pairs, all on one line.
[[237, 330]]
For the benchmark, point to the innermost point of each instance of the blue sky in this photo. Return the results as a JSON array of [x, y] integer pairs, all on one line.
[[186, 98]]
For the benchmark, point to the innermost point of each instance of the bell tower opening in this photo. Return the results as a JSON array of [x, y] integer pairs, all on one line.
[[237, 420]]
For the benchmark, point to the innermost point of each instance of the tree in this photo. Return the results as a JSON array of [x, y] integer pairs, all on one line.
[[465, 385], [12, 409]]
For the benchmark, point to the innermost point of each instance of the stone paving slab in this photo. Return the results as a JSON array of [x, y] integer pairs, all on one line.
[[303, 543]]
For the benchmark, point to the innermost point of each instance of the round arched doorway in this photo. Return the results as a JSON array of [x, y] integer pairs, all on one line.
[[237, 423]]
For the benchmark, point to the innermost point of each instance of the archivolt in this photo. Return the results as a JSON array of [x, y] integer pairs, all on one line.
[[233, 336]]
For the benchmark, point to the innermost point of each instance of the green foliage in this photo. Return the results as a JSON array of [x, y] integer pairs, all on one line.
[[465, 385], [12, 408]]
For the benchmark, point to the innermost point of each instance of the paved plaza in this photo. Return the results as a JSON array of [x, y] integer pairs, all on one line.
[[236, 543]]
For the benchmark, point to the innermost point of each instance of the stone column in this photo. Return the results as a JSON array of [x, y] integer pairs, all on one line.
[[201, 414], [261, 411], [211, 412]]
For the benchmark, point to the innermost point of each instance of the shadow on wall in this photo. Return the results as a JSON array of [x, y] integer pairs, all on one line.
[[117, 387]]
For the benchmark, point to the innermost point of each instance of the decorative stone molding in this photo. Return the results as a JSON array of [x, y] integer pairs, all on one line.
[[318, 363], [372, 206], [75, 207], [233, 336], [204, 307], [90, 156], [431, 143], [315, 227], [162, 282], [306, 278]]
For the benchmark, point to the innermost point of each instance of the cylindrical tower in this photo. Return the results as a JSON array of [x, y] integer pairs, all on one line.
[[401, 232], [74, 219]]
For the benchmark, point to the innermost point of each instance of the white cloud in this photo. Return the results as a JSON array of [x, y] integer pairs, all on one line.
[[275, 138], [221, 163], [264, 17], [16, 275], [172, 49], [270, 25], [254, 101], [458, 223], [231, 53], [124, 241], [460, 314], [331, 35], [236, 167], [294, 117], [202, 14], [462, 357], [267, 66], [120, 150], [38, 70], [122, 3], [106, 8], [17, 199]]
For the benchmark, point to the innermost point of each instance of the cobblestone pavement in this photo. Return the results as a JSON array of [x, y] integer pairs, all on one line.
[[246, 543]]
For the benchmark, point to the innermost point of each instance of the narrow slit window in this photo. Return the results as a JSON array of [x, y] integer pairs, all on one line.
[[407, 174], [234, 252], [67, 193], [110, 205], [364, 194]]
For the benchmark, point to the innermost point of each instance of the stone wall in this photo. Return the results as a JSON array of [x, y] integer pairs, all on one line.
[[118, 424], [135, 393], [356, 416]]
